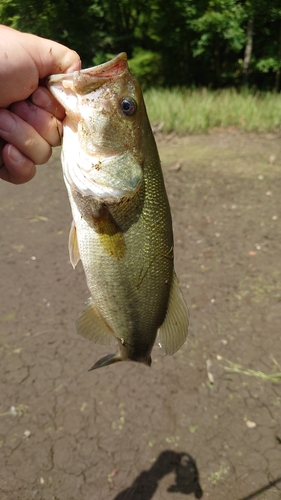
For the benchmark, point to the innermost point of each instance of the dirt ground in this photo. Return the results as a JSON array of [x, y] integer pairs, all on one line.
[[187, 426]]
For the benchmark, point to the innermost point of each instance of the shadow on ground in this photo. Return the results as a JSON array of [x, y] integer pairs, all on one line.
[[186, 477]]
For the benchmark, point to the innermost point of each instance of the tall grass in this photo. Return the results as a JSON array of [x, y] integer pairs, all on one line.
[[195, 111]]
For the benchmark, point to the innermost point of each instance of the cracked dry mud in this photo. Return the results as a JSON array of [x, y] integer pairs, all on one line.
[[186, 427]]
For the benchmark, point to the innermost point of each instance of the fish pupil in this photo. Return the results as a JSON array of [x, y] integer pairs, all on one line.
[[128, 106]]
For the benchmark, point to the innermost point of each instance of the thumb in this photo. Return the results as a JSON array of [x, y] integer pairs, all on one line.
[[51, 57], [25, 59]]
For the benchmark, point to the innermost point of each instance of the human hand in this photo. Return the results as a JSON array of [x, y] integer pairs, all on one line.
[[30, 117]]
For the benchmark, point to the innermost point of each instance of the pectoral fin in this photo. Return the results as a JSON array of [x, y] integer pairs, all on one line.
[[73, 246], [91, 325], [173, 331]]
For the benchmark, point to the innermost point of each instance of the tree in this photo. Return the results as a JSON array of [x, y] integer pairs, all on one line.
[[169, 42], [219, 40]]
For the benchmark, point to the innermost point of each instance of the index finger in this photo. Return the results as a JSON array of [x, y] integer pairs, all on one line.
[[43, 98]]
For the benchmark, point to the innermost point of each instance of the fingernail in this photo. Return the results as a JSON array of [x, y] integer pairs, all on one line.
[[15, 154], [41, 98], [7, 122]]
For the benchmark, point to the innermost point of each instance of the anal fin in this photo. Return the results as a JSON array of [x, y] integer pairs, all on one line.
[[173, 331], [92, 326]]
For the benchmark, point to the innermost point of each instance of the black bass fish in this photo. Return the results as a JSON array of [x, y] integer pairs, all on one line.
[[122, 228]]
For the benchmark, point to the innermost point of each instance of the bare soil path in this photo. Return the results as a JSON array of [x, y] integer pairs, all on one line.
[[187, 427]]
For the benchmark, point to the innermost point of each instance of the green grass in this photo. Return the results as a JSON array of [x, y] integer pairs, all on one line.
[[236, 368], [197, 111]]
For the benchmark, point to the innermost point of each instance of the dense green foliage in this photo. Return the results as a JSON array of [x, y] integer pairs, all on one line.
[[212, 43]]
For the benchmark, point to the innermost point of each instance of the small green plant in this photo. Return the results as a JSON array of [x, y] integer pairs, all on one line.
[[217, 476], [236, 368], [15, 411]]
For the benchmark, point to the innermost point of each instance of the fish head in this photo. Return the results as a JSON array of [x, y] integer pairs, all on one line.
[[104, 129]]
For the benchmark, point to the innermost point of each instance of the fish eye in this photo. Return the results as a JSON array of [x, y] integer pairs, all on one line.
[[128, 106]]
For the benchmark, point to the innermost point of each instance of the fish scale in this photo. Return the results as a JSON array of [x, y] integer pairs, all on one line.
[[122, 227]]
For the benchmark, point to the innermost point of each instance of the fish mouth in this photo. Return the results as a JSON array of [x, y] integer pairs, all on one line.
[[87, 80]]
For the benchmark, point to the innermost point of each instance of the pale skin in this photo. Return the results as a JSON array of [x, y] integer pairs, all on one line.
[[30, 117]]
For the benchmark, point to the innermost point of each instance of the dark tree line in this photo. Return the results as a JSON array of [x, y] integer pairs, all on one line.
[[213, 43]]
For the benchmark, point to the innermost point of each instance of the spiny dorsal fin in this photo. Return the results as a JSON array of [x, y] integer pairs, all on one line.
[[73, 246], [91, 325], [173, 331]]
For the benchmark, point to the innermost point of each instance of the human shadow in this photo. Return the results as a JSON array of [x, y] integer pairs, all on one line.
[[186, 477]]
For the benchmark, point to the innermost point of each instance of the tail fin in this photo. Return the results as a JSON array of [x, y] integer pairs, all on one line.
[[109, 359]]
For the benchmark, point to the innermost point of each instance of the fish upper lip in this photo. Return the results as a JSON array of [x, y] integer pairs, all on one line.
[[95, 76], [109, 69]]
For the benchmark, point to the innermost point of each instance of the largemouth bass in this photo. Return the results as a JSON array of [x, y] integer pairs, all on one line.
[[122, 228]]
